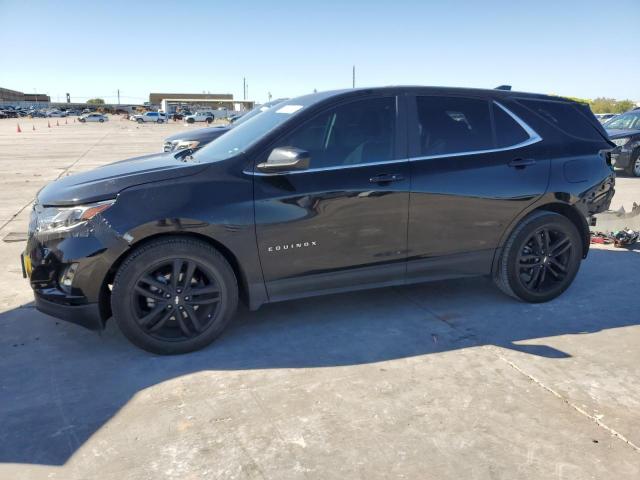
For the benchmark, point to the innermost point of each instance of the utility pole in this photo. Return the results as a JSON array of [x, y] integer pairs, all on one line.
[[118, 96], [353, 77], [269, 95], [244, 88]]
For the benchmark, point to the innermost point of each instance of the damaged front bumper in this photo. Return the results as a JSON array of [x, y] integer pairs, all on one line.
[[67, 272]]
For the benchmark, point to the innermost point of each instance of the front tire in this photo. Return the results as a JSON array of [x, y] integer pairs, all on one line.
[[540, 259], [174, 295], [190, 120]]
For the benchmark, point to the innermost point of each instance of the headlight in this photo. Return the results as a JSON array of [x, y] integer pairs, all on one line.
[[60, 219], [181, 145], [621, 141]]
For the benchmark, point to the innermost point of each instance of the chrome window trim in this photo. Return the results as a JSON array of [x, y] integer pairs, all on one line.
[[533, 138], [530, 131], [327, 169]]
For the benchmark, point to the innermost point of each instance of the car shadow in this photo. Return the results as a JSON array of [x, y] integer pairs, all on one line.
[[61, 383]]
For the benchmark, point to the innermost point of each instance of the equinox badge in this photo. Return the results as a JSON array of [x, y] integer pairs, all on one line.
[[292, 246]]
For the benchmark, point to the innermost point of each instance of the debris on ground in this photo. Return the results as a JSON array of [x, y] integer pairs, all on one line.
[[622, 238]]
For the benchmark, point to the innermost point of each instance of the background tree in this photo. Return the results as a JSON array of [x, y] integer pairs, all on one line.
[[610, 105], [95, 101]]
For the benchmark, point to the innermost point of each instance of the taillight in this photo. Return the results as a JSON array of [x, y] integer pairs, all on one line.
[[606, 155]]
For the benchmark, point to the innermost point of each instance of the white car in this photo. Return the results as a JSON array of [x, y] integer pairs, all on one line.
[[154, 117], [200, 117], [56, 113], [93, 117]]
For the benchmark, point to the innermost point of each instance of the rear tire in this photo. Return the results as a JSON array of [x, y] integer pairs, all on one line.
[[540, 259], [209, 120], [174, 295], [139, 120]]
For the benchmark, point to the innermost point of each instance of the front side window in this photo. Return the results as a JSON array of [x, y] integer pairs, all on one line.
[[449, 125], [354, 133]]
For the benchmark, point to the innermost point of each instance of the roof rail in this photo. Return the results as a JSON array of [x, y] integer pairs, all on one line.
[[503, 87]]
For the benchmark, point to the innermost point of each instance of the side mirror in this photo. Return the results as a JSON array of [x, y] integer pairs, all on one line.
[[285, 158]]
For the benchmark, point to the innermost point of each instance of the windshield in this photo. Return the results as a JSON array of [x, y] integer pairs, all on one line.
[[627, 121], [258, 110], [241, 137]]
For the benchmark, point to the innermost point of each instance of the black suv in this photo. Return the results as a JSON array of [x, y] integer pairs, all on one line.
[[325, 193]]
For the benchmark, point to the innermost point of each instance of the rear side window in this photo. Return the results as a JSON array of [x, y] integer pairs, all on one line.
[[449, 125], [565, 116], [508, 131]]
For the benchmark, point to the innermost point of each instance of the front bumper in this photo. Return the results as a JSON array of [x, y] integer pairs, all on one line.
[[89, 251], [86, 315]]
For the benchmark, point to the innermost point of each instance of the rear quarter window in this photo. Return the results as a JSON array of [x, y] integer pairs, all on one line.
[[565, 117], [508, 131]]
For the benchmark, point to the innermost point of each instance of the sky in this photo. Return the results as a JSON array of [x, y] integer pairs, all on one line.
[[287, 48]]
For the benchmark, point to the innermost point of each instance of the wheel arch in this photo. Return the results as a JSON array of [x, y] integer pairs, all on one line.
[[105, 293], [564, 209]]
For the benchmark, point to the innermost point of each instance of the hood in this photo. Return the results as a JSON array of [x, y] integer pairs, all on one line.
[[620, 133], [106, 182], [201, 134]]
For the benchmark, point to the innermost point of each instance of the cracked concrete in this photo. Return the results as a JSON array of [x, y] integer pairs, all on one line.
[[442, 380]]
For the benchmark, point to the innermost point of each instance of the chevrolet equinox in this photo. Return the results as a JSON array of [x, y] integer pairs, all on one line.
[[326, 193]]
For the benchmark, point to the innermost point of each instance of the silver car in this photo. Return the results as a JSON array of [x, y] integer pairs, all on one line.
[[93, 117]]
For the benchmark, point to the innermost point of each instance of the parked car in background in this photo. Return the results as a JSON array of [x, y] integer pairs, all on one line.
[[206, 116], [308, 197], [624, 131], [146, 117], [93, 117], [3, 115], [56, 113], [195, 139], [9, 113], [603, 117]]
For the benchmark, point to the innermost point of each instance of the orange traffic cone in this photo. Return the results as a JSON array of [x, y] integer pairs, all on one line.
[[57, 123], [34, 128], [48, 124], [18, 129], [74, 120], [65, 122]]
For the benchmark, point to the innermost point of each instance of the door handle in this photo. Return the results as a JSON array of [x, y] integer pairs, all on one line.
[[386, 178], [521, 163]]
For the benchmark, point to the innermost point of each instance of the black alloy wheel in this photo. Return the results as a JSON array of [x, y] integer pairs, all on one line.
[[540, 258], [174, 295], [176, 300], [544, 260]]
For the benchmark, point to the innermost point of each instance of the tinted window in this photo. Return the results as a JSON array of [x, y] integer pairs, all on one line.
[[453, 125], [508, 131], [627, 121], [354, 133], [565, 117]]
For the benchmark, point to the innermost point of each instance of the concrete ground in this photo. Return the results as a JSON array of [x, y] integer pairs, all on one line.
[[436, 381]]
